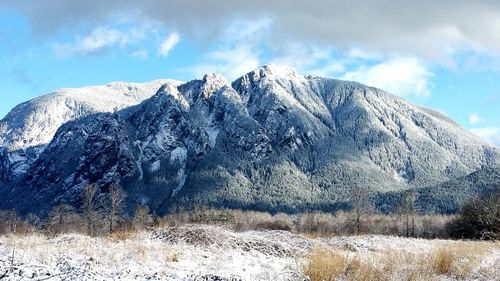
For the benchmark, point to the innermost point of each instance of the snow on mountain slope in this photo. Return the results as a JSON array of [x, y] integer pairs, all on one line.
[[399, 137], [273, 140], [35, 122]]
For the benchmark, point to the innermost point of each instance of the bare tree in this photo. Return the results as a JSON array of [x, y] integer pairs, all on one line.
[[61, 218], [408, 209], [9, 218], [142, 217], [360, 204], [33, 222], [12, 219], [90, 207], [115, 206]]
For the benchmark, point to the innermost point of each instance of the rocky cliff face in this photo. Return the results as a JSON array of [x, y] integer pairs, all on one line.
[[272, 139]]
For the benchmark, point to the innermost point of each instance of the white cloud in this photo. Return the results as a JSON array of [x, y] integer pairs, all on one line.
[[330, 69], [236, 51], [359, 53], [168, 44], [231, 62], [474, 119], [490, 134], [404, 76], [301, 56], [108, 38], [98, 40]]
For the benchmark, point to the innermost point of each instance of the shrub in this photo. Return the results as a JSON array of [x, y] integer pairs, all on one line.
[[479, 219], [278, 222], [316, 223]]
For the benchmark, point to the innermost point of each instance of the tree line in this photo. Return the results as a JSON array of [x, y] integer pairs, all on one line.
[[479, 217], [99, 213], [105, 212]]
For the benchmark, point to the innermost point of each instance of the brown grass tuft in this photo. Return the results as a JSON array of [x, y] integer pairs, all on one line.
[[324, 265], [458, 259], [442, 260], [123, 235], [172, 257], [366, 270]]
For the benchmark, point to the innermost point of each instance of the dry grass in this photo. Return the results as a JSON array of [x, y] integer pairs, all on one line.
[[458, 260], [171, 256], [324, 265], [123, 235], [365, 270], [443, 260], [371, 258]]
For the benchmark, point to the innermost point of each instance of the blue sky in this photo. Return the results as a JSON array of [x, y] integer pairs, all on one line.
[[442, 55]]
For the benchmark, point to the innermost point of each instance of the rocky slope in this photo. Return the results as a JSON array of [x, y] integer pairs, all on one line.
[[30, 126], [273, 139]]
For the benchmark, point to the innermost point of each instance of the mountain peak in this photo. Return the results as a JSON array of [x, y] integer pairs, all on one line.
[[213, 82], [279, 70], [204, 88], [272, 71]]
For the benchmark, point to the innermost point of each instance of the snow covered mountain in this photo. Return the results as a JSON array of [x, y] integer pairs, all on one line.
[[36, 121], [273, 140], [30, 126]]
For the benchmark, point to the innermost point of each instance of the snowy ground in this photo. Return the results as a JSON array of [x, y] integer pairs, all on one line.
[[198, 252]]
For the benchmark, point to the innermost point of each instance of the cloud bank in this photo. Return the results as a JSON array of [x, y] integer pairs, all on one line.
[[433, 30], [392, 43], [400, 76]]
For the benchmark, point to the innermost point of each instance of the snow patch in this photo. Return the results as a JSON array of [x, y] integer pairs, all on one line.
[[155, 167], [283, 71], [178, 154], [164, 138], [19, 163], [138, 162], [181, 177], [212, 135], [398, 176]]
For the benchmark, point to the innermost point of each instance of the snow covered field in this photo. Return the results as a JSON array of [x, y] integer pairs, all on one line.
[[202, 252]]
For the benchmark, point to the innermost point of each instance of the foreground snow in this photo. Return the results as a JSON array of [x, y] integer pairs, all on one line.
[[198, 252]]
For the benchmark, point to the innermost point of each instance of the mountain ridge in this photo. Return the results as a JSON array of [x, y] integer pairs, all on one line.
[[272, 139], [21, 128]]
